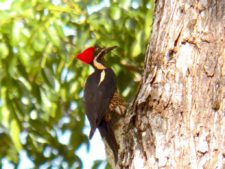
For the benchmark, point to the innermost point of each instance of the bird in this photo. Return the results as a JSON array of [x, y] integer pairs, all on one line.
[[101, 97]]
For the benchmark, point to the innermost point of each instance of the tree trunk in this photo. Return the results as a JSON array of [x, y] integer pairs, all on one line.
[[177, 119]]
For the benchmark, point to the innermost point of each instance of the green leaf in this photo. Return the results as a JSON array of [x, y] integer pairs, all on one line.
[[47, 76], [3, 50], [15, 133], [97, 164]]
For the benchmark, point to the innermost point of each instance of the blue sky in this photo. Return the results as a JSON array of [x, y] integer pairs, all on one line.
[[97, 150]]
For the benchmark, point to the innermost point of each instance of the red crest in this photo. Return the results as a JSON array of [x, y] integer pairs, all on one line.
[[87, 55]]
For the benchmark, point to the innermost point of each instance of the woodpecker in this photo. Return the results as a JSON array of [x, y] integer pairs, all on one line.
[[100, 95]]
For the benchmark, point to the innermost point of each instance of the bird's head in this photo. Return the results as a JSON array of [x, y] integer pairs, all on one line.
[[94, 56]]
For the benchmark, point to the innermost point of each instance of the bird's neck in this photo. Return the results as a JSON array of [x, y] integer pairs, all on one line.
[[98, 65]]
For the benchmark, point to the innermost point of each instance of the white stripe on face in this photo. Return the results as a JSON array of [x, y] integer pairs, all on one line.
[[97, 64], [102, 77]]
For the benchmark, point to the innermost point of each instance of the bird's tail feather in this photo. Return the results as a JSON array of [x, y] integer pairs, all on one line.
[[108, 134], [92, 132]]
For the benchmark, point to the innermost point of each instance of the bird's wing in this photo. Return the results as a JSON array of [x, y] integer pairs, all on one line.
[[90, 100], [99, 90]]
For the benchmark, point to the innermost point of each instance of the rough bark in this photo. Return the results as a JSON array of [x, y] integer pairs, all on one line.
[[177, 119]]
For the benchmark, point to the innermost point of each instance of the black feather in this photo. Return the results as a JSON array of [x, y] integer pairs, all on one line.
[[97, 99], [108, 134]]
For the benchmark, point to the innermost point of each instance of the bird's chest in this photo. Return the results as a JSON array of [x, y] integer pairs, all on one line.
[[116, 111], [117, 104]]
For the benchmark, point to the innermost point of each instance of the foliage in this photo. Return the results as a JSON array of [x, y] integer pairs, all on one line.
[[41, 84]]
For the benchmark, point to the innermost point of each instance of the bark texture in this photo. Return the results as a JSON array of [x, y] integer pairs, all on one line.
[[177, 119]]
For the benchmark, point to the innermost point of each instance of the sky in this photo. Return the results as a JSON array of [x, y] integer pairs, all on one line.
[[97, 150]]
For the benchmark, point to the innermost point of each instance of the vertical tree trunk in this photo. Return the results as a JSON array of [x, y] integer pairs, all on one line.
[[177, 119]]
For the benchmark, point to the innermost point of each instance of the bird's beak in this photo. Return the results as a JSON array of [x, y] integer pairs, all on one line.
[[107, 50], [104, 51]]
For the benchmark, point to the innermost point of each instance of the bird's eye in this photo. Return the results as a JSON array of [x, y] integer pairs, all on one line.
[[97, 49]]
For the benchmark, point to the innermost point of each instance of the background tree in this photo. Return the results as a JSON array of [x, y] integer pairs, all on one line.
[[41, 85], [177, 119]]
